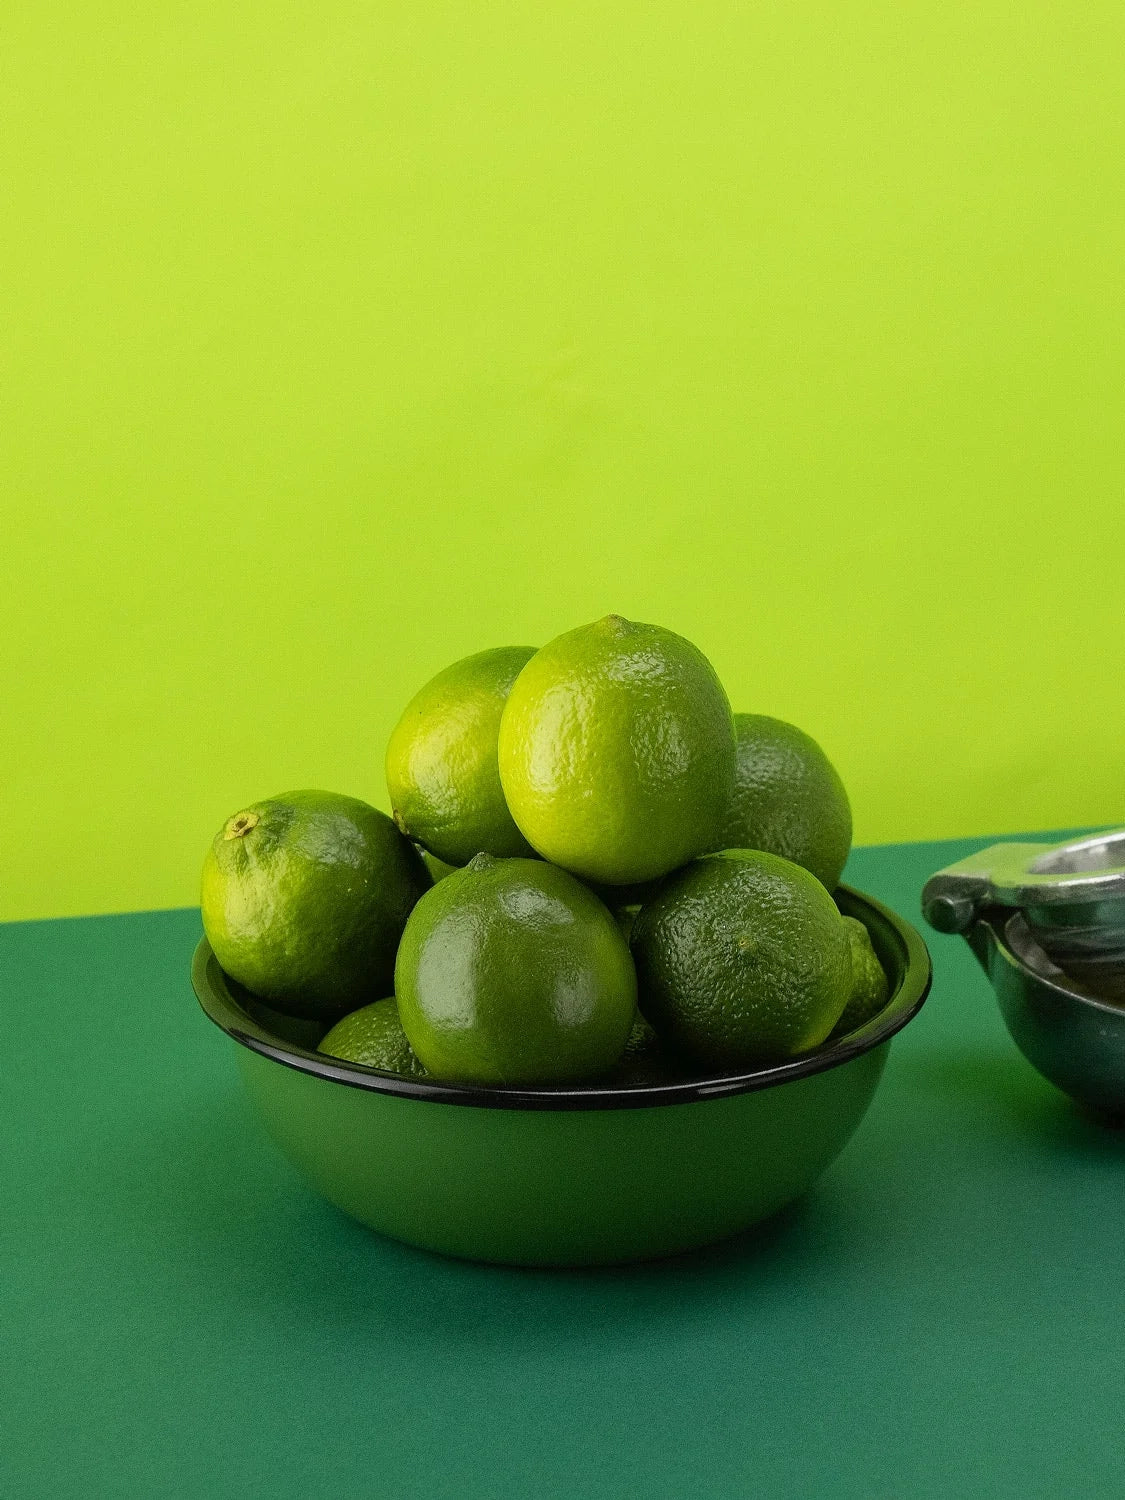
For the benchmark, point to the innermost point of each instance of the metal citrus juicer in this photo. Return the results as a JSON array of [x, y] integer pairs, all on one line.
[[1047, 923]]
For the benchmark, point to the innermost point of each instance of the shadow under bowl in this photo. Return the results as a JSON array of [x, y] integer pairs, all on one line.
[[570, 1176]]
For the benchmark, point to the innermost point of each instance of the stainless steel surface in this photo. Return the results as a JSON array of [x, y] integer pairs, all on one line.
[[1087, 873], [1075, 1038], [1071, 895], [1047, 923]]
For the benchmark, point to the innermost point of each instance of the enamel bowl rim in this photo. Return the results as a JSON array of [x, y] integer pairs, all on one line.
[[219, 1003]]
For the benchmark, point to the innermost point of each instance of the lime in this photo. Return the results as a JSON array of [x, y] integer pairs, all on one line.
[[870, 988], [511, 972], [742, 959], [788, 799], [441, 760], [617, 751], [625, 916], [437, 867], [373, 1036], [645, 1060], [305, 897], [624, 901]]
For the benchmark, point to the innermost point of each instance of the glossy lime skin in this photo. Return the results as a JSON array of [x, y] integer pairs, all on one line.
[[617, 751], [788, 799], [870, 989], [742, 959], [373, 1036], [442, 773], [304, 899], [511, 972]]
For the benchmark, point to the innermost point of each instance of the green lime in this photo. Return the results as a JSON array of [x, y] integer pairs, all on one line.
[[511, 972], [624, 901], [441, 760], [437, 867], [645, 1060], [373, 1036], [742, 959], [625, 916], [305, 897], [870, 988], [788, 799], [617, 751]]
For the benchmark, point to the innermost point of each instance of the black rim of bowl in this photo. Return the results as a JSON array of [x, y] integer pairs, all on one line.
[[889, 932]]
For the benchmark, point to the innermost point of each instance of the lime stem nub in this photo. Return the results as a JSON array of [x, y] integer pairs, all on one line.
[[241, 824]]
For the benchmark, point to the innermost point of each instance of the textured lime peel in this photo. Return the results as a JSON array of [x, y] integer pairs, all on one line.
[[307, 914], [617, 752]]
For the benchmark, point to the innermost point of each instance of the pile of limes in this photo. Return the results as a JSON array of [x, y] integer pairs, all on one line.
[[594, 872]]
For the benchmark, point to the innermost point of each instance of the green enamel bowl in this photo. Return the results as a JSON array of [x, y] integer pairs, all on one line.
[[564, 1177]]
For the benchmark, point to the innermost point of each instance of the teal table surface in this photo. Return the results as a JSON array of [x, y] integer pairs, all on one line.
[[943, 1316]]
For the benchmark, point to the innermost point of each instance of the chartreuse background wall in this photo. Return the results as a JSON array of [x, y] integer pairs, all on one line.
[[340, 340]]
